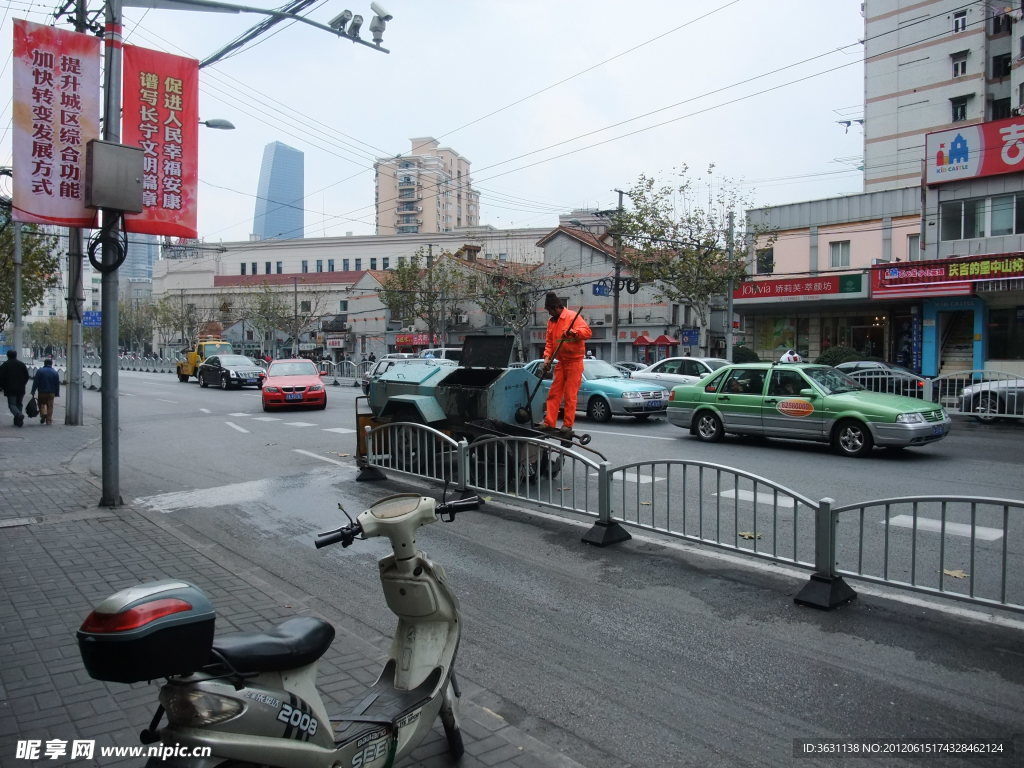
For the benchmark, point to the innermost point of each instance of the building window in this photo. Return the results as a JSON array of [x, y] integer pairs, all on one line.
[[764, 261], [266, 267], [1002, 215], [243, 267], [373, 263], [959, 64], [344, 265], [254, 272], [384, 263], [330, 265], [959, 21], [1000, 23], [304, 307], [343, 305], [1001, 65], [962, 219], [279, 267], [959, 107], [359, 265], [305, 266], [1000, 108], [401, 261], [839, 253], [319, 265], [914, 248]]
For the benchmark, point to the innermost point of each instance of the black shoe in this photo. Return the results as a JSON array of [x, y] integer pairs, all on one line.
[[42, 419], [565, 432], [19, 420]]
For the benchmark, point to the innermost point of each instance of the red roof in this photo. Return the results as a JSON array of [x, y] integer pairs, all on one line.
[[666, 340], [643, 340], [304, 278]]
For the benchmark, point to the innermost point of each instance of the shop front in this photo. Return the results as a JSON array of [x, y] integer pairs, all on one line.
[[410, 342]]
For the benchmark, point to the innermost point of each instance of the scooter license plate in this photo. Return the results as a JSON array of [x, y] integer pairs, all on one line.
[[293, 396]]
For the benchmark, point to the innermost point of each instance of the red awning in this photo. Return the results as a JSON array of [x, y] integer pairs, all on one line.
[[664, 340], [643, 340]]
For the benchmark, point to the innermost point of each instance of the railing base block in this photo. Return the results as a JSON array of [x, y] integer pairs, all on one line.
[[603, 534], [825, 592], [369, 474]]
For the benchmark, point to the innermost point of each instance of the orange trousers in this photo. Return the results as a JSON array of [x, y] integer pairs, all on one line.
[[564, 387]]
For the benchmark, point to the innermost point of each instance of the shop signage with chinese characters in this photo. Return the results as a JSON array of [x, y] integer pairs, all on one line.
[[413, 339], [970, 151], [56, 114], [944, 276], [161, 115], [801, 289]]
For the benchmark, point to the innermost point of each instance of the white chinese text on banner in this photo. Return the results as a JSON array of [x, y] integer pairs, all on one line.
[[161, 115]]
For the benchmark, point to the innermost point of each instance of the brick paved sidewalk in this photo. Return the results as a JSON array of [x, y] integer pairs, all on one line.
[[61, 554]]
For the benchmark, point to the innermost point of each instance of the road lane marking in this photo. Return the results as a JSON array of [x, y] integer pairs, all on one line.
[[322, 458], [299, 424], [762, 498], [632, 476], [340, 430], [172, 402], [267, 418], [238, 414], [204, 410], [628, 434], [955, 529], [235, 426]]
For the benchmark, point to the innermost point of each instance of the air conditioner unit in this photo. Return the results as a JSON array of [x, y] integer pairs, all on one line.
[[463, 319]]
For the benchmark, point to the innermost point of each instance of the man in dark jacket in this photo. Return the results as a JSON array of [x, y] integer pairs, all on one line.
[[13, 378], [47, 381]]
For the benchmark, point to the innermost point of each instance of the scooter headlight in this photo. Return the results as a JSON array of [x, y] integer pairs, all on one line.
[[194, 709]]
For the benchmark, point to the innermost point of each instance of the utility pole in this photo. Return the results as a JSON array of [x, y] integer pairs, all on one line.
[[618, 280], [730, 251], [295, 317], [17, 287]]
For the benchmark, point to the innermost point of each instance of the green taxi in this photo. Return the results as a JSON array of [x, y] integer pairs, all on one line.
[[803, 402]]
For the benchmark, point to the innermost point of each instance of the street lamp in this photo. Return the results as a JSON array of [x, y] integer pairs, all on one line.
[[219, 124]]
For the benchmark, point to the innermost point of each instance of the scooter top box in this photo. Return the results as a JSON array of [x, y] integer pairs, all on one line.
[[148, 631]]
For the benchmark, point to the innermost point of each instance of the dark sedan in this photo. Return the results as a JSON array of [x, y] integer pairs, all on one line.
[[229, 371], [879, 376]]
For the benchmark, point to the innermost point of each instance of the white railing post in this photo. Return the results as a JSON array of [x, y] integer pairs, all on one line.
[[825, 589], [605, 531]]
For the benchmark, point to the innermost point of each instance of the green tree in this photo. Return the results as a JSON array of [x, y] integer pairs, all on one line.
[[265, 310], [49, 333], [40, 265], [137, 320], [681, 244]]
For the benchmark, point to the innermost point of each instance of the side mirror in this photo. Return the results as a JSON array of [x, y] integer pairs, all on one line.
[[810, 393], [323, 373]]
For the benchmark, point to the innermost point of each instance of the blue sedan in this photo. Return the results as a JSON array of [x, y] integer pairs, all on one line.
[[606, 391]]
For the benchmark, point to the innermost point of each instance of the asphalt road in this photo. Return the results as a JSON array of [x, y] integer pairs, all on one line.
[[644, 654]]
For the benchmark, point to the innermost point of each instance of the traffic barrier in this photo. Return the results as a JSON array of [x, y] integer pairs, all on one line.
[[977, 557]]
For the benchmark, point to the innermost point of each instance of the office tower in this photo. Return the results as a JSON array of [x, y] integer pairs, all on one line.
[[279, 199], [929, 66], [142, 252], [426, 190]]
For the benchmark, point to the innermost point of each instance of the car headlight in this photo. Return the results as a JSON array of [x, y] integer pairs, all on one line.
[[632, 396], [910, 418], [271, 389], [233, 374], [317, 388]]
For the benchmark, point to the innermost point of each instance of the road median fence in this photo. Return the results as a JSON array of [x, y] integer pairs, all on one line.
[[961, 547]]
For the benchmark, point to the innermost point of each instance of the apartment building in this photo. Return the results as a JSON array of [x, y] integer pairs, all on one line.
[[931, 65], [426, 190]]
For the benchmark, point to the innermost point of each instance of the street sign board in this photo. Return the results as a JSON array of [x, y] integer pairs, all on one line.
[[91, 319]]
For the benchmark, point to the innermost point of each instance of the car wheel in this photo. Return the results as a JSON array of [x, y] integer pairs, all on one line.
[[202, 382], [708, 427], [266, 407], [322, 406], [985, 407], [852, 438], [183, 378], [599, 410], [224, 383]]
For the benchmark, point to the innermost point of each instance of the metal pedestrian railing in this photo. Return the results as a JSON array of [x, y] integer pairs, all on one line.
[[961, 547], [984, 394]]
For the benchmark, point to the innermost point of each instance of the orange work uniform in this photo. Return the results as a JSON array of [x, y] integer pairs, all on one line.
[[569, 372]]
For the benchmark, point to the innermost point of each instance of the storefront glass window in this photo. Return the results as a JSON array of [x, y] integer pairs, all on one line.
[[774, 335], [1006, 333], [974, 218], [951, 223]]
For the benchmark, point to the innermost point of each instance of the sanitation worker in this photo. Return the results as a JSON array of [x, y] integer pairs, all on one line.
[[565, 342]]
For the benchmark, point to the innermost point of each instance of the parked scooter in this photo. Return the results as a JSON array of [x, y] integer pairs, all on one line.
[[251, 697]]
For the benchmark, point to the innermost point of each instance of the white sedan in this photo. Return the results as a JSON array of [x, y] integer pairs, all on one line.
[[673, 371]]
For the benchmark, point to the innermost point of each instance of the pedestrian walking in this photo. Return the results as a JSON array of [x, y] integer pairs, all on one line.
[[566, 337], [13, 378], [47, 382]]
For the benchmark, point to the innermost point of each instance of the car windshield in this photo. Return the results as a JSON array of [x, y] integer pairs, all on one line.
[[216, 349], [292, 369], [832, 381], [230, 360], [599, 369], [715, 364]]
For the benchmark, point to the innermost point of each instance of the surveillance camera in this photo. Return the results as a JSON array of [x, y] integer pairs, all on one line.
[[339, 21], [354, 25], [384, 15]]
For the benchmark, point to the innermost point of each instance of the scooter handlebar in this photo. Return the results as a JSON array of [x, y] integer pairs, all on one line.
[[345, 535], [459, 505]]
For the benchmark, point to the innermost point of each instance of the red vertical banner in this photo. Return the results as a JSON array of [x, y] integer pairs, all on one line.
[[161, 115], [56, 113]]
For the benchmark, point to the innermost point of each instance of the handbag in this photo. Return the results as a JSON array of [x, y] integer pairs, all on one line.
[[32, 408]]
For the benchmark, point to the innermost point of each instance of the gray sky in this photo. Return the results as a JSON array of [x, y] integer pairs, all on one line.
[[555, 102]]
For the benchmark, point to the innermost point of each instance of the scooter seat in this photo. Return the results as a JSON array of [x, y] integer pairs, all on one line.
[[384, 703], [291, 644]]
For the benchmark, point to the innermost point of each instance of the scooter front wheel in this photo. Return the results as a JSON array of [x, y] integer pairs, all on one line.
[[450, 721]]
